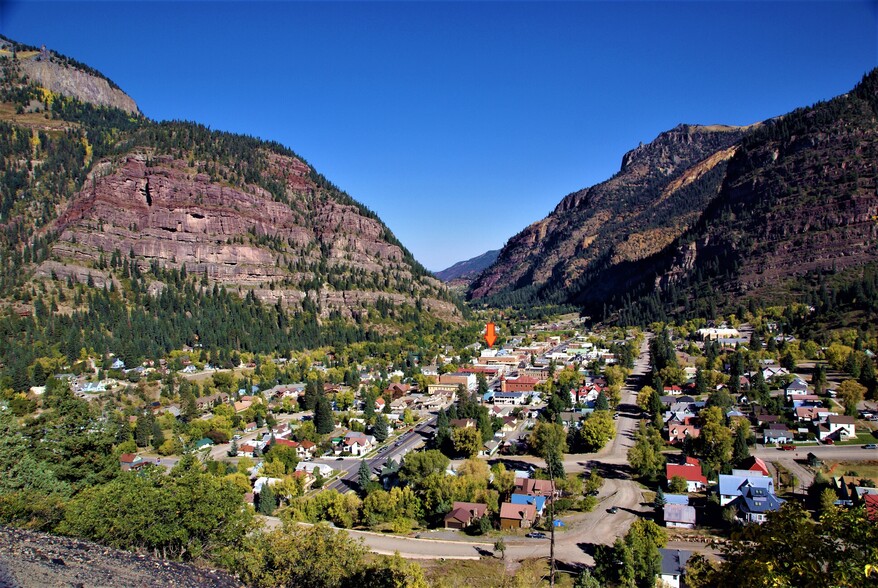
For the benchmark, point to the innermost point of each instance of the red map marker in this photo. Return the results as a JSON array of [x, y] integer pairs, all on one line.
[[490, 334]]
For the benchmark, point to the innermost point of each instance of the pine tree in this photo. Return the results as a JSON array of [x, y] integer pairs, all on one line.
[[365, 476], [380, 428], [660, 500], [158, 436], [267, 500], [741, 451], [323, 418], [601, 403]]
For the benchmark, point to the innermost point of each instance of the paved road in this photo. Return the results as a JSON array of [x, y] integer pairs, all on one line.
[[396, 450], [574, 543], [795, 461]]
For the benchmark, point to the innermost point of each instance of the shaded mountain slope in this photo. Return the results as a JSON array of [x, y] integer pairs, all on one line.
[[747, 213]]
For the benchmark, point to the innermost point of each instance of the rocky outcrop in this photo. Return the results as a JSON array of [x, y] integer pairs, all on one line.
[[37, 560], [660, 190], [148, 208], [68, 80]]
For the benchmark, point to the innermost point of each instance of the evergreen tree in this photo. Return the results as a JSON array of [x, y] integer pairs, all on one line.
[[142, 430], [700, 382], [369, 406], [380, 429], [365, 476], [755, 341], [740, 451], [323, 417], [660, 500], [267, 500], [482, 383], [158, 436], [601, 403], [233, 448]]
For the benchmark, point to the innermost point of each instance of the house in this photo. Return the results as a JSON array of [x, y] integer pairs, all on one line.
[[397, 390], [243, 405], [203, 443], [731, 487], [756, 465], [677, 499], [796, 387], [357, 444], [776, 433], [306, 449], [131, 461], [380, 403], [533, 487], [754, 503], [838, 427], [311, 468], [517, 516], [463, 514], [689, 471], [462, 423], [519, 384], [539, 502], [679, 431], [246, 450], [509, 398], [206, 402], [673, 566], [490, 448], [680, 516]]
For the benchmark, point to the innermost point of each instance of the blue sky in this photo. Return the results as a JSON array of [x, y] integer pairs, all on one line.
[[461, 123]]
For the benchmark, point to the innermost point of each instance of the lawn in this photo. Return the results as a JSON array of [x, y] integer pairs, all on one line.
[[856, 469], [862, 438]]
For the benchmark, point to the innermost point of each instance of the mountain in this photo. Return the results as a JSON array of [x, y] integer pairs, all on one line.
[[463, 272], [94, 193], [659, 191], [62, 75], [709, 216]]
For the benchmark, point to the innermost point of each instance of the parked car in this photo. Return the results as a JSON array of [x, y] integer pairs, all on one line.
[[613, 510], [787, 447], [536, 535], [870, 446]]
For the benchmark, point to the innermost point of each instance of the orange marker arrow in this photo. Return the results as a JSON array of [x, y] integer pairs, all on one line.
[[490, 335]]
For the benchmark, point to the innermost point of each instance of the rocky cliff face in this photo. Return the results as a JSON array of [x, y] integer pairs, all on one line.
[[659, 191], [154, 208], [734, 212], [70, 81], [65, 76]]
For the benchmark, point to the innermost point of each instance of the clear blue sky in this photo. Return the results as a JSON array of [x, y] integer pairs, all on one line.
[[461, 123]]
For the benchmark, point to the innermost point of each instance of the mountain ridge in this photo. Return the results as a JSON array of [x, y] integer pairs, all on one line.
[[709, 227], [94, 185]]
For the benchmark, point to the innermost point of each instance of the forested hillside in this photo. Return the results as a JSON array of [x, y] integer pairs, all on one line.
[[128, 236]]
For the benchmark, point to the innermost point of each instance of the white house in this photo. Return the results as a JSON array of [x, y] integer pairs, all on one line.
[[311, 467], [838, 427]]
